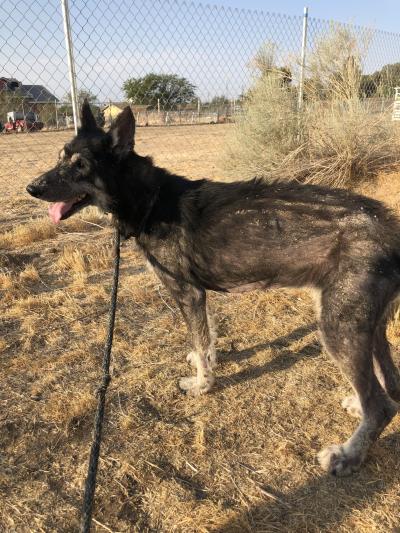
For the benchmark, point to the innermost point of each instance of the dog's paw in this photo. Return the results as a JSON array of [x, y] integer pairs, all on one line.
[[352, 405], [191, 359], [211, 359], [334, 460], [193, 387]]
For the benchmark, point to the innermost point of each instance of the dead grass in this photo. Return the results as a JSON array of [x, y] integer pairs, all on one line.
[[347, 144], [331, 142], [36, 230], [69, 411], [337, 138], [78, 262], [241, 459]]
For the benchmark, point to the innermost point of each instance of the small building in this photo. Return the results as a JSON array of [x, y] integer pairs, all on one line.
[[37, 96], [34, 98], [113, 109]]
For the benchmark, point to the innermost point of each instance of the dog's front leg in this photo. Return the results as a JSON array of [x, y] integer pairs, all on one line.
[[192, 303]]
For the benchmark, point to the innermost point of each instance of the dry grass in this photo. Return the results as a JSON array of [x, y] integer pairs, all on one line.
[[267, 133], [347, 144], [331, 142], [241, 459], [36, 230], [337, 139]]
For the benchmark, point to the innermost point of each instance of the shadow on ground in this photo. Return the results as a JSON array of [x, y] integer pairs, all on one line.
[[324, 502], [284, 360]]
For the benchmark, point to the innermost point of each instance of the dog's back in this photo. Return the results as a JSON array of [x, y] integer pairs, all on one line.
[[245, 235]]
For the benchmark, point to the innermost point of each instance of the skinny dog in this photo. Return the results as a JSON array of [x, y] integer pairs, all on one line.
[[234, 237]]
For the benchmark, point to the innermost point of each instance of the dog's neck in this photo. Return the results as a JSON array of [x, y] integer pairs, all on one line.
[[146, 196]]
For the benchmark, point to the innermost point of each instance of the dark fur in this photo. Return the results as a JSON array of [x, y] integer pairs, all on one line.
[[203, 235]]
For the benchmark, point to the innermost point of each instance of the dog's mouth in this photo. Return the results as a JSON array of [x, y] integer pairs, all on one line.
[[62, 210]]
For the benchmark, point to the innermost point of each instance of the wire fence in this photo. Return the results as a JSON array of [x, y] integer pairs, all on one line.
[[173, 62]]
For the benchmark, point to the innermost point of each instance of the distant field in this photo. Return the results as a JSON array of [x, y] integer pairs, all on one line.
[[241, 459]]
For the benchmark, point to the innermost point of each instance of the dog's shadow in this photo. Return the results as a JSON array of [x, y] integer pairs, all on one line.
[[284, 360], [323, 502]]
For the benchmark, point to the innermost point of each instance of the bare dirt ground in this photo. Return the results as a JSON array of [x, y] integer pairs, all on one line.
[[239, 459]]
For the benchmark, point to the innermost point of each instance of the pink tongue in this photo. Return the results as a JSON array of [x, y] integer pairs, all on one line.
[[57, 210]]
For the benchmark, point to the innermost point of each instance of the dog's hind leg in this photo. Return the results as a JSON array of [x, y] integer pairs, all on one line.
[[385, 369], [348, 331]]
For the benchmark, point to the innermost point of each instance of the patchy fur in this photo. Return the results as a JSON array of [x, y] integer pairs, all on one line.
[[231, 237]]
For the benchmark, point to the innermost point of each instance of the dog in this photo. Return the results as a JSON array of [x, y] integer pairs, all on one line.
[[233, 237]]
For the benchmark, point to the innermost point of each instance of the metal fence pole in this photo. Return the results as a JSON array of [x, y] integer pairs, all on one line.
[[71, 62], [303, 58]]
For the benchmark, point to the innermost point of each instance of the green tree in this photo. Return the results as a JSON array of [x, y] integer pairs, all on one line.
[[82, 95], [10, 101], [169, 89], [382, 82], [219, 101]]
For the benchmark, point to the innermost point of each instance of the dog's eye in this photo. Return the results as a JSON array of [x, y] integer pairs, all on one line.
[[79, 163]]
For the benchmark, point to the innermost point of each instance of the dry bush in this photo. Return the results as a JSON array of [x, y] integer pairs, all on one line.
[[346, 144], [90, 216], [6, 281], [29, 275], [267, 132], [69, 410], [334, 68], [336, 139], [36, 230], [80, 262]]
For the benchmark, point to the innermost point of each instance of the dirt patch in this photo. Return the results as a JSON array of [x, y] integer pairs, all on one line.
[[239, 459]]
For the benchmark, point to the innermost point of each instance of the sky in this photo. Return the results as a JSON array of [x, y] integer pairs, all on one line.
[[213, 46], [382, 14]]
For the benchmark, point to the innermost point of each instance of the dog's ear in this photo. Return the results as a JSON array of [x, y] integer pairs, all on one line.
[[88, 122], [122, 132]]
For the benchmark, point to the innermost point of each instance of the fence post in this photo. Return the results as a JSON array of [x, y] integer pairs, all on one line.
[[55, 105], [303, 58], [71, 62]]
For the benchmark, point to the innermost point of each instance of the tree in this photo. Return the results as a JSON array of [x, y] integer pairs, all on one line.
[[169, 90], [382, 82], [82, 95], [10, 101], [218, 102]]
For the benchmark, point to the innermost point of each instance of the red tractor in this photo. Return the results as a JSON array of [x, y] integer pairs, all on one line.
[[19, 122]]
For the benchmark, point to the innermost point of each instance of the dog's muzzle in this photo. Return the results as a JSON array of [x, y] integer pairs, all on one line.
[[35, 189]]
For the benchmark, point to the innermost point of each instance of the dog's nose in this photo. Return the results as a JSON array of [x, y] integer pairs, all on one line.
[[34, 190]]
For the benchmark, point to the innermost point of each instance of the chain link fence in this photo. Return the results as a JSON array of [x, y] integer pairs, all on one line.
[[173, 62]]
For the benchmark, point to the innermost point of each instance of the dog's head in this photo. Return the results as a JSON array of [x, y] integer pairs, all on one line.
[[86, 170]]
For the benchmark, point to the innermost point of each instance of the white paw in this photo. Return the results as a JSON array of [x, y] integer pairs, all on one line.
[[352, 405], [334, 460], [211, 357], [191, 359], [193, 387]]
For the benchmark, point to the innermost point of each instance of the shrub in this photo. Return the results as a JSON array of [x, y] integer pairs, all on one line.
[[337, 139]]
